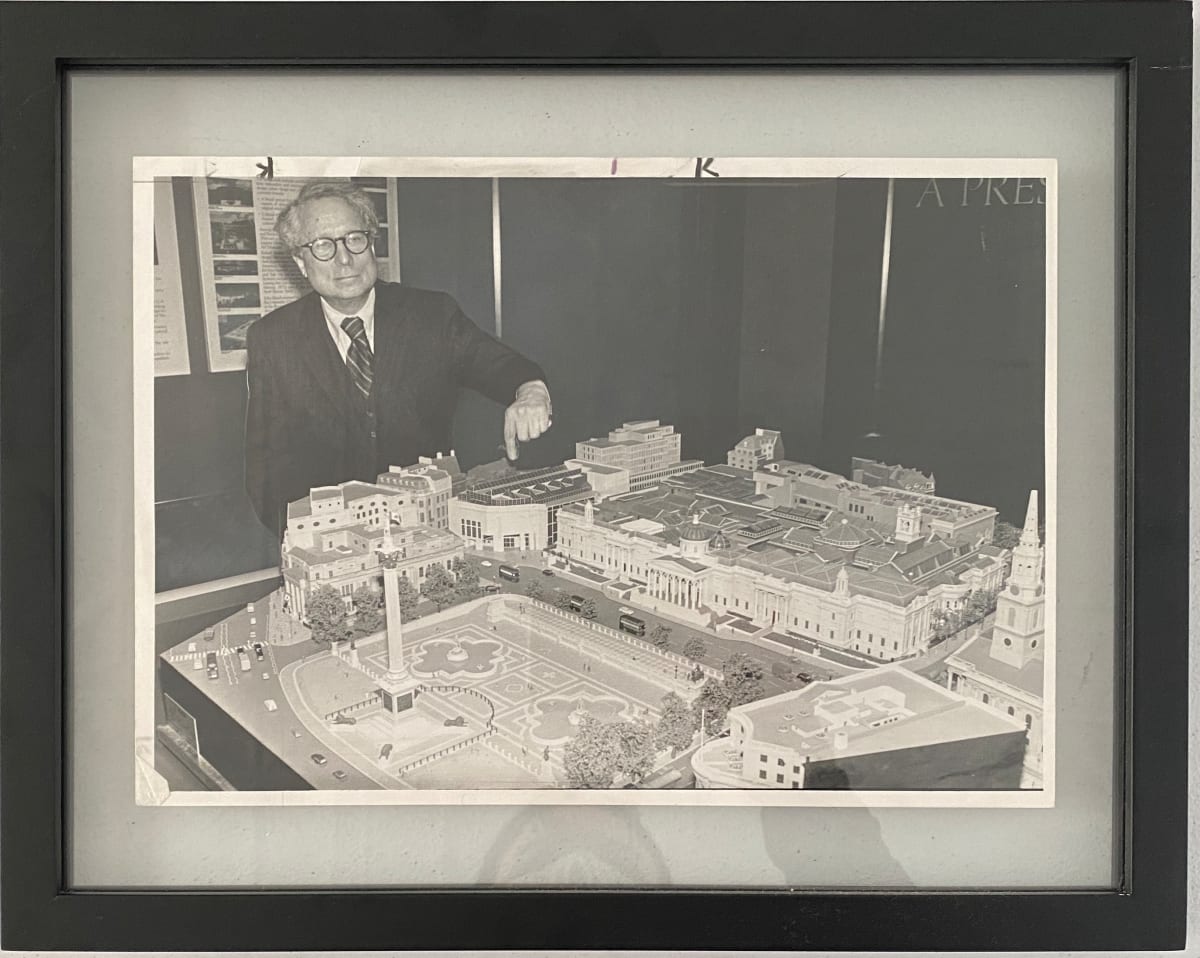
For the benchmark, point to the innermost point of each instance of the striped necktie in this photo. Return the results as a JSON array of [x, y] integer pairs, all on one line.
[[358, 357]]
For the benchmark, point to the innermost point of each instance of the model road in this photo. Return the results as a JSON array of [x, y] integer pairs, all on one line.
[[608, 612], [243, 695]]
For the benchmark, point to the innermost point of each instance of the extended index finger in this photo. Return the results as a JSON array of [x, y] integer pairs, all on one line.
[[511, 449]]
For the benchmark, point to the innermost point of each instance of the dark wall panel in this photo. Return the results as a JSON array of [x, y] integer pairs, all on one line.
[[788, 263], [961, 390], [205, 527], [628, 294], [849, 409], [964, 354], [445, 235]]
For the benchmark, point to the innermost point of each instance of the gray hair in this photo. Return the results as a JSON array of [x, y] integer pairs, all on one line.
[[287, 224]]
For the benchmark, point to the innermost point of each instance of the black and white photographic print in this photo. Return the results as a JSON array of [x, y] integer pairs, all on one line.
[[607, 480]]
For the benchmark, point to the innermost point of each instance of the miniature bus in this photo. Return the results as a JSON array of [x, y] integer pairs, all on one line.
[[576, 603], [632, 624], [509, 572]]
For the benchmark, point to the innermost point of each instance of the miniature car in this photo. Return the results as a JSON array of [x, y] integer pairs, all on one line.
[[457, 722], [319, 759], [625, 611], [210, 660], [547, 572], [486, 563], [258, 650], [271, 704], [243, 658], [340, 775], [491, 588]]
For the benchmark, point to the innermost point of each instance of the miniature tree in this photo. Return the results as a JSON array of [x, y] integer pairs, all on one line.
[[661, 636], [326, 614], [407, 596], [464, 571], [743, 679], [635, 748], [676, 725], [591, 758], [979, 605], [562, 601], [589, 609], [465, 591], [1006, 535], [695, 649], [534, 589], [711, 706], [368, 610], [945, 624], [466, 585], [438, 587]]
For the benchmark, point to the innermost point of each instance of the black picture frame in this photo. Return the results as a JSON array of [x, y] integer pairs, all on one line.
[[1148, 41]]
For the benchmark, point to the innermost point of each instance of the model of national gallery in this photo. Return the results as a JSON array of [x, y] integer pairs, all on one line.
[[761, 544]]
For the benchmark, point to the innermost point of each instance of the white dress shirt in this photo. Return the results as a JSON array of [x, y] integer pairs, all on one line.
[[334, 318]]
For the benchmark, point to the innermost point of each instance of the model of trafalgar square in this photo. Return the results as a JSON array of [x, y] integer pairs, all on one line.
[[632, 619]]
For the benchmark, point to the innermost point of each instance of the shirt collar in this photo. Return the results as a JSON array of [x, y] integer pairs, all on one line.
[[367, 314]]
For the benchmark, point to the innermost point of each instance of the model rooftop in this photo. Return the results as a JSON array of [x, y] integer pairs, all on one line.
[[976, 652], [881, 710], [540, 486], [324, 496]]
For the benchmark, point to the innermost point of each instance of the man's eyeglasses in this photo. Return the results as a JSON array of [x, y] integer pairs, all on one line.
[[324, 249]]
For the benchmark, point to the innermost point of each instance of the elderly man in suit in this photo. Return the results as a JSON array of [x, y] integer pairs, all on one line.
[[360, 374]]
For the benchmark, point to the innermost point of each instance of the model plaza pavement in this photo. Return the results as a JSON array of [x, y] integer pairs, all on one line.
[[504, 683]]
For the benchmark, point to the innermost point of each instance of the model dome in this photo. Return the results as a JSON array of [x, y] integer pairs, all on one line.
[[719, 541], [841, 533], [693, 531]]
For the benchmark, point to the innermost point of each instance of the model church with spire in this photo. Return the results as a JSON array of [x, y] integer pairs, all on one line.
[[1006, 670]]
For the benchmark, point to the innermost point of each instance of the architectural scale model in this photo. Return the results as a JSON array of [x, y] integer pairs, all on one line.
[[627, 619]]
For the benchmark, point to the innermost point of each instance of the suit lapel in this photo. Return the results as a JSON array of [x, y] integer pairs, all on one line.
[[393, 343], [322, 359]]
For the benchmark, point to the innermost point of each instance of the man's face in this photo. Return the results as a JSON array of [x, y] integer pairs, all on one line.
[[345, 280]]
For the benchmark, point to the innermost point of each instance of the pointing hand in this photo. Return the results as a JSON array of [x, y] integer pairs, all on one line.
[[528, 417]]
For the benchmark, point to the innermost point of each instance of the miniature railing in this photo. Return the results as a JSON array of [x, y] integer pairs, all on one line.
[[465, 691], [443, 752], [503, 747], [372, 699], [632, 641]]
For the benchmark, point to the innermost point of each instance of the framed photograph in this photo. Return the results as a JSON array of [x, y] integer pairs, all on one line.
[[735, 476], [630, 605]]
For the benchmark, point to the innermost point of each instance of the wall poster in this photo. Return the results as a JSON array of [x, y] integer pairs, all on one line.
[[170, 331], [244, 269]]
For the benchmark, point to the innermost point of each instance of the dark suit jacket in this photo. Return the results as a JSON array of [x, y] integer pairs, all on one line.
[[306, 423]]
